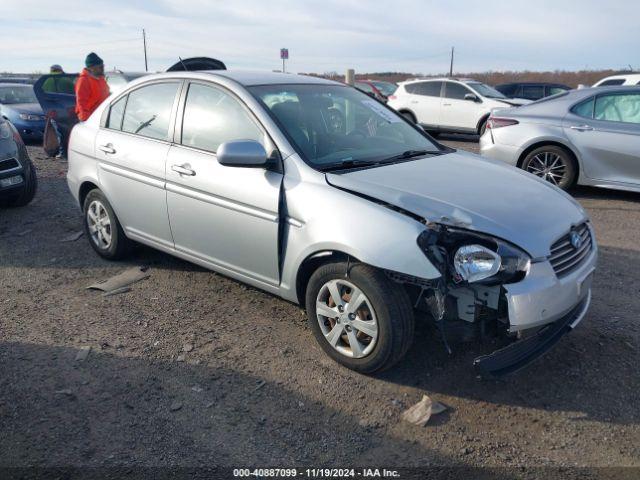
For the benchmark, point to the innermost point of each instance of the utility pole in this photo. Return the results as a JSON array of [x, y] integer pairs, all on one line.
[[144, 43], [451, 66]]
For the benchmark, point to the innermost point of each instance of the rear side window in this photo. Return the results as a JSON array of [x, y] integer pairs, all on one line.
[[365, 87], [427, 89], [584, 109], [618, 108], [507, 90], [148, 110], [613, 82], [212, 117], [116, 113], [455, 91], [532, 92], [556, 90]]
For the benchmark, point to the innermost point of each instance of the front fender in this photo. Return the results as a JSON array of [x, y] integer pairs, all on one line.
[[324, 218]]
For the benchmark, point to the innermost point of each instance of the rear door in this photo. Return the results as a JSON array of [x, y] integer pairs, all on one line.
[[225, 216], [131, 149], [458, 113], [57, 98], [425, 101], [606, 131]]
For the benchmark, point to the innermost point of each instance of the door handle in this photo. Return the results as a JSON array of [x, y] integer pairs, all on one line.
[[446, 104], [581, 128], [184, 169], [414, 101], [108, 149]]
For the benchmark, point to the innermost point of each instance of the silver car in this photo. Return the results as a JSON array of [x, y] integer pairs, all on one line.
[[589, 136], [313, 191]]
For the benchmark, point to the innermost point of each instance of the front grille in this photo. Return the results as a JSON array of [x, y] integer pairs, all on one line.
[[9, 164], [565, 257]]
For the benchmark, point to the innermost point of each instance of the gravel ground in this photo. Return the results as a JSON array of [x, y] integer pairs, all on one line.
[[193, 369]]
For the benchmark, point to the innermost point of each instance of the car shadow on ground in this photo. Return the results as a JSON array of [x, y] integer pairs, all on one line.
[[111, 410]]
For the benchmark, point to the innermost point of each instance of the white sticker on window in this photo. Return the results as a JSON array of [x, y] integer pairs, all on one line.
[[382, 111]]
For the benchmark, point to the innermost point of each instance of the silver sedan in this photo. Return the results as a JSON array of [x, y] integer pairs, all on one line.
[[588, 137], [313, 191]]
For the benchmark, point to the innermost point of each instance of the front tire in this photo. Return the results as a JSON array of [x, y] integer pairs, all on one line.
[[363, 321], [553, 164], [102, 228]]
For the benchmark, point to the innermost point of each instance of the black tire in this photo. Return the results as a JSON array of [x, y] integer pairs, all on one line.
[[535, 159], [119, 245], [483, 127], [409, 116], [392, 307], [30, 183]]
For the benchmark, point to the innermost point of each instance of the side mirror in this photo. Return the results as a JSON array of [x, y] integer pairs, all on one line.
[[242, 153], [471, 97]]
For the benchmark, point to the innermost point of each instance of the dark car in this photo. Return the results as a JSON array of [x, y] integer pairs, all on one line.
[[531, 90], [22, 80], [18, 103], [18, 182], [376, 88]]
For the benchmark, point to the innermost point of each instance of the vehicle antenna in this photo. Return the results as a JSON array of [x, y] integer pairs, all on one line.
[[183, 65], [144, 43]]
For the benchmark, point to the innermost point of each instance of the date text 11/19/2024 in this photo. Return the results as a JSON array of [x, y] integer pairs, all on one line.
[[316, 473]]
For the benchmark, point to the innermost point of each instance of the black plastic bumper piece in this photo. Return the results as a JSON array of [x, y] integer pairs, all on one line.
[[521, 353]]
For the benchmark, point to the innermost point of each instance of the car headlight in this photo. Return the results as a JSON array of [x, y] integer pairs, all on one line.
[[466, 256], [5, 130], [475, 262], [30, 117]]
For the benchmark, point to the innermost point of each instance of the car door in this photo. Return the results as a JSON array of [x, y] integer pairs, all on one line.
[[425, 102], [225, 216], [605, 129], [131, 149], [458, 113], [57, 97]]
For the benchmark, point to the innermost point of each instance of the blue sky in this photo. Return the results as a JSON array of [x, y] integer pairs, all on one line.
[[323, 36]]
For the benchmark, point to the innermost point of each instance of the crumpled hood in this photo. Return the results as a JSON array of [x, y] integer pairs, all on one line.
[[475, 193]]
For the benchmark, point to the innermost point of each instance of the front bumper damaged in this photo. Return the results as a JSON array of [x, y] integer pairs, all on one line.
[[521, 353]]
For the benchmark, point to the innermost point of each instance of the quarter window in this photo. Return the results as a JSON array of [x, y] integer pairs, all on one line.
[[116, 113], [455, 91], [148, 111], [618, 108], [584, 109], [212, 117]]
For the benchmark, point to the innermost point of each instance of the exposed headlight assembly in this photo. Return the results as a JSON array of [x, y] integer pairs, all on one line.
[[466, 256]]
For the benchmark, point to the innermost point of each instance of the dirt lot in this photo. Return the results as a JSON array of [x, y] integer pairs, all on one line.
[[192, 369]]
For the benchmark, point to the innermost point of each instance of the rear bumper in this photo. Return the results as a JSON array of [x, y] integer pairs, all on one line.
[[521, 353], [504, 153]]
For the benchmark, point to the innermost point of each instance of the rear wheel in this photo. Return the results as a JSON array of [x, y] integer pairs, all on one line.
[[102, 228], [483, 127], [553, 164], [363, 321], [409, 116]]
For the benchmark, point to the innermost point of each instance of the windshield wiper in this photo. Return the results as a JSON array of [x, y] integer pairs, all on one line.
[[346, 164], [411, 154]]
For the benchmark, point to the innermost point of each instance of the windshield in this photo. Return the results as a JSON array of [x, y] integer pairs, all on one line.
[[485, 90], [332, 125], [387, 88], [17, 94]]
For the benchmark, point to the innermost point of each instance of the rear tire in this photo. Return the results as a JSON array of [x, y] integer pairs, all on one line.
[[382, 322], [409, 117], [553, 164], [102, 228], [483, 127], [30, 184]]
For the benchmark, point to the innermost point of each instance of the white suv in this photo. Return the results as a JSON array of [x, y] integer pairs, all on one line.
[[449, 104], [616, 80]]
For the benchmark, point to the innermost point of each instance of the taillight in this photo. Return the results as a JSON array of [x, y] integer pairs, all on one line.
[[391, 97], [498, 122]]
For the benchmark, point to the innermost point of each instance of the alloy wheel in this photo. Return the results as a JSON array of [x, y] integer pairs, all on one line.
[[346, 318], [549, 166], [99, 224]]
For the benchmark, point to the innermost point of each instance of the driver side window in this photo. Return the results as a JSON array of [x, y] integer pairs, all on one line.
[[212, 117], [618, 108]]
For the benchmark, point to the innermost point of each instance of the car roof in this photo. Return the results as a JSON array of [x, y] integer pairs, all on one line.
[[440, 79], [7, 84], [250, 78], [543, 84]]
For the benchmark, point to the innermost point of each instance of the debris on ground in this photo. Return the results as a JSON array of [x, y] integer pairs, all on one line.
[[420, 413], [66, 392], [117, 291], [123, 279], [83, 353], [187, 347], [175, 406], [72, 237], [260, 384]]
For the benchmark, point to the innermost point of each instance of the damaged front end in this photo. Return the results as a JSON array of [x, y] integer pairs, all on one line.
[[469, 300]]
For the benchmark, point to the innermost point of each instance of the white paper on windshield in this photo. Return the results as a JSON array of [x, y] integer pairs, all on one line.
[[382, 111]]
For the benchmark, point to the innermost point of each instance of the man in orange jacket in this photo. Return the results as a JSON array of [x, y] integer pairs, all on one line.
[[91, 87]]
